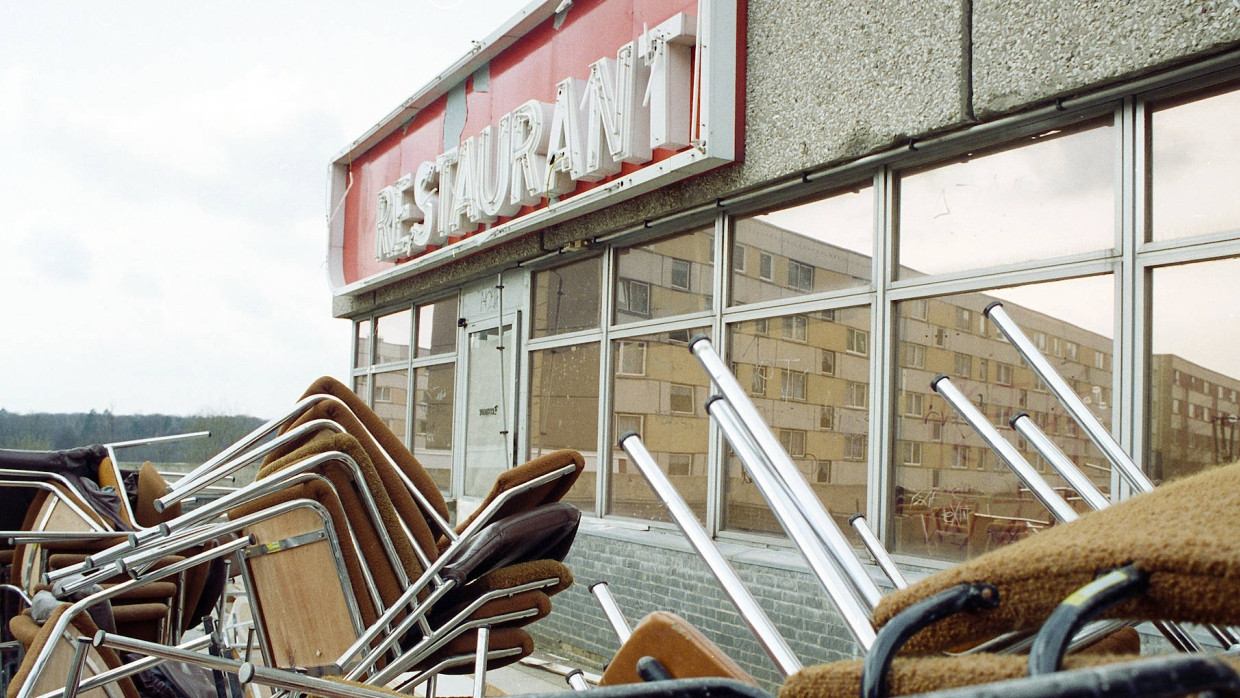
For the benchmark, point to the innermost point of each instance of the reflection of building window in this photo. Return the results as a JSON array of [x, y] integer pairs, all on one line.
[[678, 336], [633, 297], [828, 315], [766, 266], [917, 309], [1003, 374], [383, 393], [1002, 416], [1056, 346], [792, 441], [912, 355], [983, 370], [679, 464], [800, 276], [964, 365], [960, 456], [760, 375], [936, 431], [738, 258], [940, 337], [826, 363], [822, 472], [858, 341], [856, 395], [1071, 349], [914, 404], [1039, 339], [628, 422], [855, 447], [680, 274], [681, 398], [1175, 406], [910, 453], [826, 417], [964, 319], [796, 327], [791, 385], [1022, 397], [632, 359], [760, 326]]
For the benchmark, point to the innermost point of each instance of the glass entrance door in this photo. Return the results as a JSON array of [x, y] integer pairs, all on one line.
[[490, 407]]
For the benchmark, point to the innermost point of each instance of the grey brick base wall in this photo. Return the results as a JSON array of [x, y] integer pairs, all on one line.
[[657, 570]]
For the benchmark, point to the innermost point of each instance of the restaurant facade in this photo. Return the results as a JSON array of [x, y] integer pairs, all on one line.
[[833, 192]]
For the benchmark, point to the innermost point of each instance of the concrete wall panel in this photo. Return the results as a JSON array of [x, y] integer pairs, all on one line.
[[1030, 52], [833, 80]]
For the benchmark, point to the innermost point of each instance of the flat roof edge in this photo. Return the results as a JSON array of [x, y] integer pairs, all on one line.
[[508, 33]]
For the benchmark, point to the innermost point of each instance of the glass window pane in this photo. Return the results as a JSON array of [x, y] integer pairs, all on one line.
[[390, 400], [1195, 167], [564, 411], [664, 403], [361, 386], [1053, 196], [361, 344], [820, 246], [1195, 372], [434, 390], [437, 327], [567, 298], [954, 498], [392, 333], [815, 405], [489, 401], [666, 277]]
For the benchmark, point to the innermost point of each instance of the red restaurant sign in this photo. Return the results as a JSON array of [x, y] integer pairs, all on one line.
[[556, 115]]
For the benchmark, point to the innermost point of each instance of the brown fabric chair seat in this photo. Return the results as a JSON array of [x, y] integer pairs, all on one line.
[[913, 675], [1181, 534]]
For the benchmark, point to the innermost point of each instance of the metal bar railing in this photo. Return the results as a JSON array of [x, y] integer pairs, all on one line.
[[773, 643], [806, 502]]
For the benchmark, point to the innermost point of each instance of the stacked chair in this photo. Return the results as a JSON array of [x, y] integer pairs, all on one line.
[[354, 577]]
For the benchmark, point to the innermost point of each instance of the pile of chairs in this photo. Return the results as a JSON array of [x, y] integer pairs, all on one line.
[[359, 587], [353, 576]]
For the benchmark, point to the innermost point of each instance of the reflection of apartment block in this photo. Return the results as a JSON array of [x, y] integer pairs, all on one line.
[[1192, 423], [659, 391], [390, 396]]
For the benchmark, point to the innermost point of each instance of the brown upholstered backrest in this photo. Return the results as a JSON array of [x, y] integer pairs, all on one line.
[[386, 439], [152, 486], [403, 501], [1183, 534], [911, 675]]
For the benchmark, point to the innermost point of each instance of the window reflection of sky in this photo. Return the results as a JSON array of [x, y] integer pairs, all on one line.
[[1054, 196]]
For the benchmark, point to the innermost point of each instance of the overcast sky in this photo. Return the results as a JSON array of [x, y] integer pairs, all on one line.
[[162, 195]]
